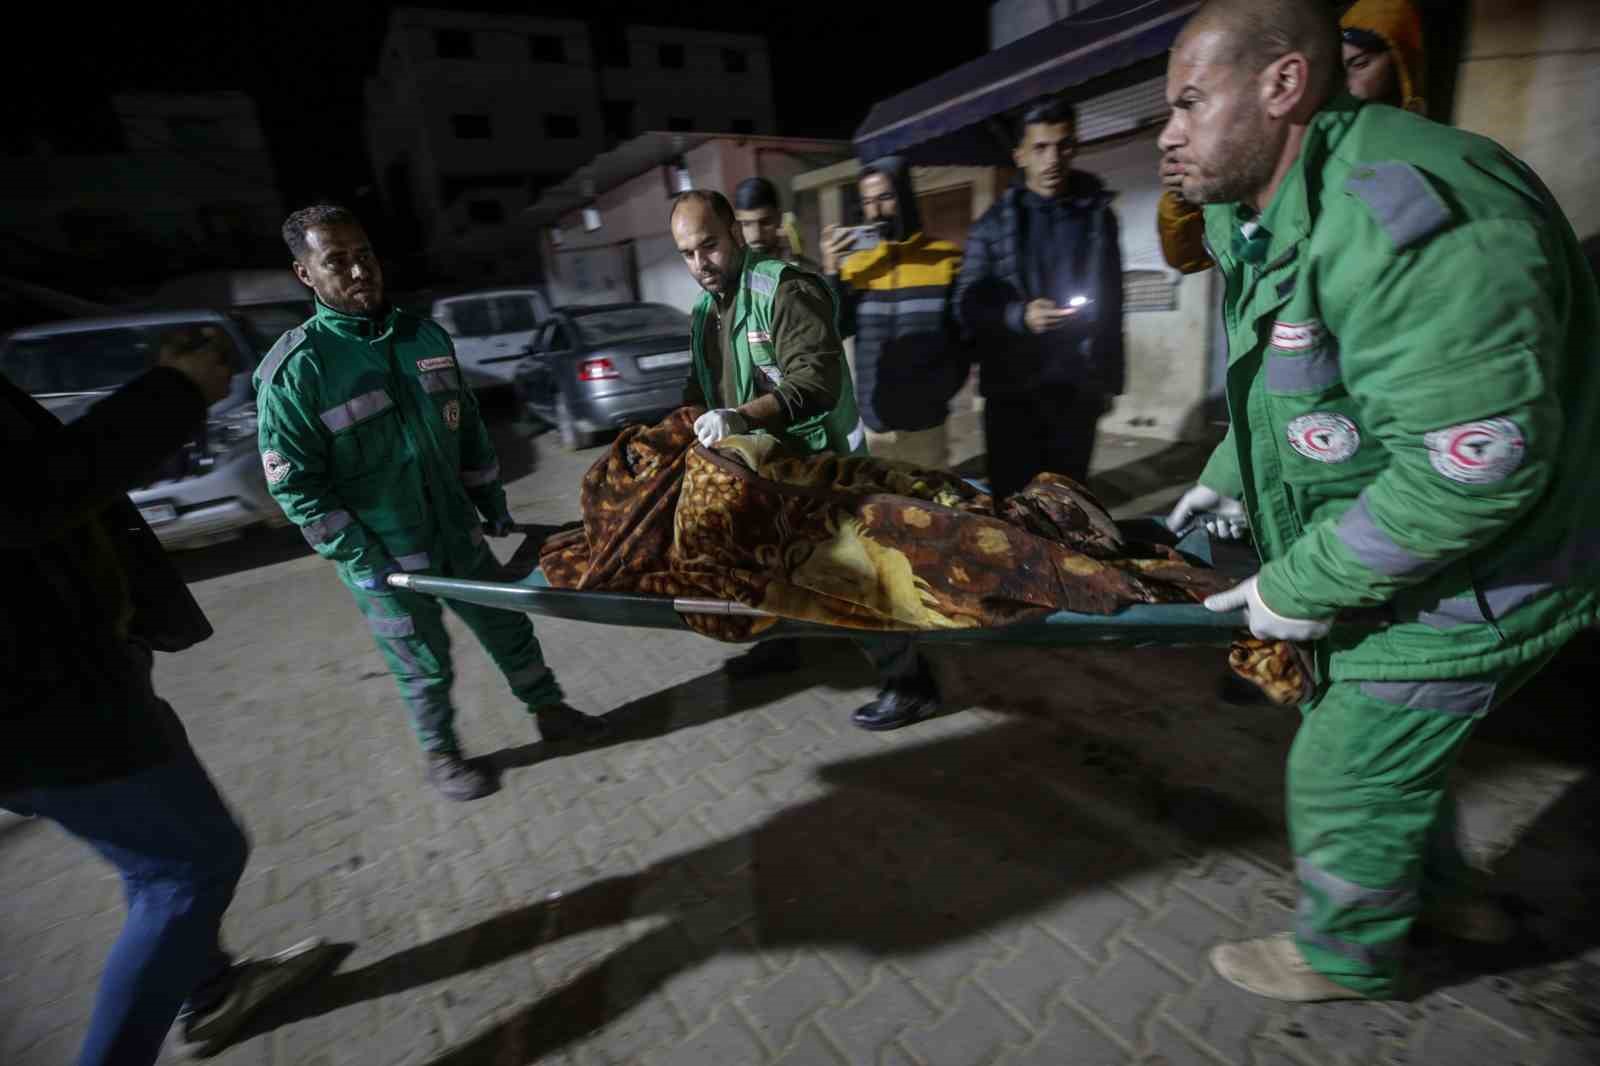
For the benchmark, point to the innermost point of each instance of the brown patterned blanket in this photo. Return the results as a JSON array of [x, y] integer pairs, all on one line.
[[853, 542]]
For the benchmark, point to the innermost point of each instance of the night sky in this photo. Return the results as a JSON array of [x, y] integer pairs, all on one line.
[[305, 64]]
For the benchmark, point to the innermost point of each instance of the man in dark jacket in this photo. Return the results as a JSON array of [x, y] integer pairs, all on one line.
[[1041, 291], [89, 745], [895, 301]]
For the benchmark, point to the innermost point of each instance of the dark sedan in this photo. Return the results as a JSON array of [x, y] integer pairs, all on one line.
[[591, 370]]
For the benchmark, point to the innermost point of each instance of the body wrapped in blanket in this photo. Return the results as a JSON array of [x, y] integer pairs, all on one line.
[[860, 543]]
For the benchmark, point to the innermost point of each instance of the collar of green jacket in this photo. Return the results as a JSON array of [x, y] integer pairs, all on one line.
[[1287, 219], [359, 327]]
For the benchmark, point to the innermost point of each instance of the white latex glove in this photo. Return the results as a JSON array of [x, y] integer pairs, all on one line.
[[1225, 517], [723, 422], [1264, 621]]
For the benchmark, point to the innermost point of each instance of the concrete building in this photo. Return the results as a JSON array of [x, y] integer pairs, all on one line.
[[630, 255], [470, 115], [178, 182]]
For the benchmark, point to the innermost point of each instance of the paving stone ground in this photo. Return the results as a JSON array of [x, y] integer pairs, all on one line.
[[741, 877]]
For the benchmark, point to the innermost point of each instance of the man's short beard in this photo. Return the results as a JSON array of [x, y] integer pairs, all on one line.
[[1250, 159]]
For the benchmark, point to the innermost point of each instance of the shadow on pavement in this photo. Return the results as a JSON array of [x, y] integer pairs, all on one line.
[[828, 662], [908, 850], [942, 841], [511, 433]]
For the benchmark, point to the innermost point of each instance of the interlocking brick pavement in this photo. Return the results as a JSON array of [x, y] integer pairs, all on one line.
[[740, 877]]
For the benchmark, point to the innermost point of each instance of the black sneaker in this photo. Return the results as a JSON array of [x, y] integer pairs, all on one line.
[[900, 703], [559, 722], [254, 983], [456, 778]]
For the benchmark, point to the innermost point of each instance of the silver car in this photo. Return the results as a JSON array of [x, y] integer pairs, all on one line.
[[594, 369], [213, 487]]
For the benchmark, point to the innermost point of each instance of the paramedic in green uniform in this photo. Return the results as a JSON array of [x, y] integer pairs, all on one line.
[[768, 359], [374, 447], [1413, 390]]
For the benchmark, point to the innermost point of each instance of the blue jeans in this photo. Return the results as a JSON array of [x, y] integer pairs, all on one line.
[[181, 855]]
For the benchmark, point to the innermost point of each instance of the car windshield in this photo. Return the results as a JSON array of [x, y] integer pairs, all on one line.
[[263, 324], [619, 324], [86, 360]]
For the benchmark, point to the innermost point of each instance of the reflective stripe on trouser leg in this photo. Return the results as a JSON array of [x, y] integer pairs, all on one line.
[[409, 631], [1368, 811], [509, 639]]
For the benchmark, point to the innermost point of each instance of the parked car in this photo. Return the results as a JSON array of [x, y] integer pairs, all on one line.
[[210, 489], [265, 303], [491, 329], [593, 369]]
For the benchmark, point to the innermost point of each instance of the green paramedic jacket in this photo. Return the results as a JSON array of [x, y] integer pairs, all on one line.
[[1413, 389], [374, 447], [839, 430]]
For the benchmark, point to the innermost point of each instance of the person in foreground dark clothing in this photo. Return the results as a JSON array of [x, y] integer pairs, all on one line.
[[89, 744]]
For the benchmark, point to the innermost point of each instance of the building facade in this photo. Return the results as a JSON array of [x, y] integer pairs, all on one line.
[[470, 116]]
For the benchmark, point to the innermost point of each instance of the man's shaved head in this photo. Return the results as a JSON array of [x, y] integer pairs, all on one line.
[[1244, 80], [1249, 34]]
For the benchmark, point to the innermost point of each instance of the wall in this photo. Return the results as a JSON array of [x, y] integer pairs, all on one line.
[[634, 213], [1530, 79], [702, 90]]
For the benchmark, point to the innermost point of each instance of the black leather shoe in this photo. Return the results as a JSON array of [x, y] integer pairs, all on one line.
[[559, 722], [896, 707], [456, 778], [769, 657]]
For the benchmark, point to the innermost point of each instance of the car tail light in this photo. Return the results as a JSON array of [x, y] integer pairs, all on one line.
[[597, 370]]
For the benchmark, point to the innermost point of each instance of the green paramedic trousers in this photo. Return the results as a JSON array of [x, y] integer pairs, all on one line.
[[1372, 820], [409, 630]]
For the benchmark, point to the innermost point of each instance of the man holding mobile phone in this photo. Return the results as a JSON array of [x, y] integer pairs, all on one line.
[[894, 284], [1040, 290]]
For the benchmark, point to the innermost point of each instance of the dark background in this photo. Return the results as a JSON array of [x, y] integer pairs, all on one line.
[[306, 64]]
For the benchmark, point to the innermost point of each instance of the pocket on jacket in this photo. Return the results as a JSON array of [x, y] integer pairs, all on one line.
[[366, 434]]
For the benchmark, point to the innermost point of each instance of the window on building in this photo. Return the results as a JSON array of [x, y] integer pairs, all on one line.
[[670, 56], [546, 48], [561, 127], [1148, 290], [618, 116], [744, 125], [486, 212], [471, 127], [679, 123], [453, 44], [734, 61]]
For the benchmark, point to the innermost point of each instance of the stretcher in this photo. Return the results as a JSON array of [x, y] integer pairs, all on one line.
[[1141, 624]]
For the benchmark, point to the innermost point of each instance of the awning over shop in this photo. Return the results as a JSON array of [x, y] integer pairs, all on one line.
[[944, 121]]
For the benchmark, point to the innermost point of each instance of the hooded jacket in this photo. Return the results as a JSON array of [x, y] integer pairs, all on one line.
[[895, 300], [1394, 22], [992, 294]]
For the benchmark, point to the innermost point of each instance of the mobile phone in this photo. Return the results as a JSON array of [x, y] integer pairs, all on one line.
[[1077, 301], [863, 238]]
